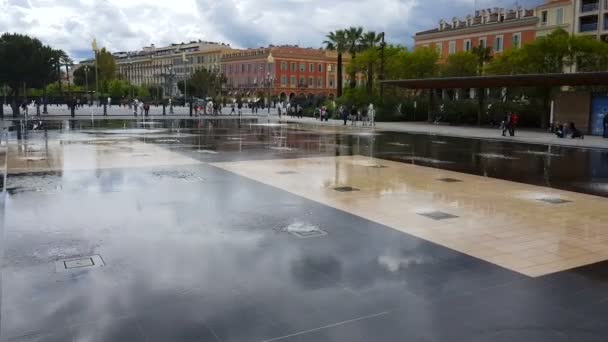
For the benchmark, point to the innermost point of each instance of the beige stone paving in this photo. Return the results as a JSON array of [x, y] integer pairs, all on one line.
[[499, 221]]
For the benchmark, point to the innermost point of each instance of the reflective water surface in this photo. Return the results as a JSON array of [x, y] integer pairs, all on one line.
[[192, 252]]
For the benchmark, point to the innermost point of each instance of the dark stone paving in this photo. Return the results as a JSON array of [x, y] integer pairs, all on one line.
[[206, 260]]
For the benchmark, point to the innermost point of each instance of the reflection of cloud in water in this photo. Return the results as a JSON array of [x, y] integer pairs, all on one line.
[[394, 264]]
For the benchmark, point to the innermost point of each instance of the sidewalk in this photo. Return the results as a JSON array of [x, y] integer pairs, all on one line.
[[523, 136]]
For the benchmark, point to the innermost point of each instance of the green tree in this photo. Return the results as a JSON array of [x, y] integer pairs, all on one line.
[[336, 41], [106, 65], [353, 44], [460, 64], [421, 63], [370, 41], [204, 84], [82, 76], [25, 62]]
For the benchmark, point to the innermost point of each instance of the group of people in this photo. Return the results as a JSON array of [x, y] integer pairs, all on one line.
[[564, 130], [366, 116]]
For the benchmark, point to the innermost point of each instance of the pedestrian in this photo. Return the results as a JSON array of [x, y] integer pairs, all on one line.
[[141, 108], [135, 104], [279, 111], [576, 133], [605, 124], [109, 102], [170, 106], [344, 113], [504, 125], [146, 108], [240, 107], [514, 122], [353, 115], [232, 111], [300, 112], [371, 114]]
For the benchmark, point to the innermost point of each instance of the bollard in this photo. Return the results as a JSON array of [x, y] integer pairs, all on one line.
[[190, 108]]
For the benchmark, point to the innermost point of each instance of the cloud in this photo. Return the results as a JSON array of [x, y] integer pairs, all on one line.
[[122, 25]]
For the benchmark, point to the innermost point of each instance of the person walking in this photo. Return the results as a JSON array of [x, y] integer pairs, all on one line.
[[233, 109], [506, 122], [146, 109], [344, 113], [605, 125]]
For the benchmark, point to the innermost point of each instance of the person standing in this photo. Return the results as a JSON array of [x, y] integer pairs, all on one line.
[[353, 115], [344, 113], [514, 122], [371, 114], [605, 124], [109, 102], [147, 109]]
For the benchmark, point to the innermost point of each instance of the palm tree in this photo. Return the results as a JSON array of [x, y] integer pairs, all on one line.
[[336, 41], [67, 62], [353, 41], [370, 40]]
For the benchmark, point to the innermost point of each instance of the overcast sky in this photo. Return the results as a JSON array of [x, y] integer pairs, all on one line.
[[122, 25]]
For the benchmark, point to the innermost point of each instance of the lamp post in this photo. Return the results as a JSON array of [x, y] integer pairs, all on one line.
[[86, 81], [382, 48], [269, 77], [96, 50]]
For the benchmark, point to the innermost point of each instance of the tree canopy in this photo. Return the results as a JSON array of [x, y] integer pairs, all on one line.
[[26, 61], [203, 84]]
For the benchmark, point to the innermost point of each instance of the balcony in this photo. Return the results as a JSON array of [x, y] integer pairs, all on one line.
[[590, 6], [590, 27]]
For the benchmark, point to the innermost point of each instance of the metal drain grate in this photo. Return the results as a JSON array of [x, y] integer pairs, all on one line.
[[287, 172], [438, 215], [311, 234], [449, 180], [554, 200], [93, 261], [346, 189]]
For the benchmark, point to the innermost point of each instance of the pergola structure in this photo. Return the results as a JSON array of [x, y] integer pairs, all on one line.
[[503, 81]]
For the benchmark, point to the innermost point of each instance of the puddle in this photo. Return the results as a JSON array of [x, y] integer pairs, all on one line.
[[496, 156], [540, 153], [427, 160]]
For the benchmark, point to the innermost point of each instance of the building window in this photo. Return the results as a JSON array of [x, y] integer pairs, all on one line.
[[482, 42], [467, 45], [331, 82], [293, 81], [293, 67], [248, 67], [283, 66], [544, 17], [311, 67], [439, 48], [283, 80], [321, 68], [560, 16], [516, 40], [302, 67], [242, 68], [498, 44], [311, 80], [452, 48], [320, 82]]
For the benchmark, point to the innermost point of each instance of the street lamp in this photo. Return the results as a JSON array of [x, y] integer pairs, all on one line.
[[269, 78], [86, 81], [96, 50]]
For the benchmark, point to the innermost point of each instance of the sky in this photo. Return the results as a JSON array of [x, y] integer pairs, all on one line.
[[127, 25]]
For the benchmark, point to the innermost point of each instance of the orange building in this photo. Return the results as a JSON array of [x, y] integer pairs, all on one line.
[[497, 28], [285, 71]]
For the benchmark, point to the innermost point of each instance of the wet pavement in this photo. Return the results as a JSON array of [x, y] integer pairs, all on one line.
[[161, 230]]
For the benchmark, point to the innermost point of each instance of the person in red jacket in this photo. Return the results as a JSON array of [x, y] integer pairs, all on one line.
[[513, 124]]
